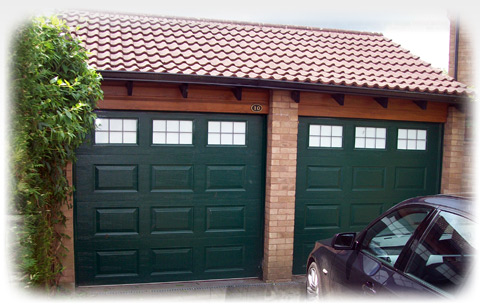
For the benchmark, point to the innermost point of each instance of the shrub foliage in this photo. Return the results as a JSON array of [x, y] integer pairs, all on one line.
[[54, 95]]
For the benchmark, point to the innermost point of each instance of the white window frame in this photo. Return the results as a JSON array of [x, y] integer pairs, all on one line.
[[412, 139], [370, 138], [325, 136], [227, 133], [116, 131], [172, 132]]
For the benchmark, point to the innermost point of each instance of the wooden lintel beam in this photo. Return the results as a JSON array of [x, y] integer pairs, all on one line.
[[383, 101], [421, 104], [339, 98], [238, 93], [184, 90], [129, 86], [295, 96]]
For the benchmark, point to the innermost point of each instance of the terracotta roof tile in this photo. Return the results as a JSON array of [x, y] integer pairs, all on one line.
[[273, 52]]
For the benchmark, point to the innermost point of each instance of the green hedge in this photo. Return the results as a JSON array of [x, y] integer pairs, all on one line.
[[54, 95]]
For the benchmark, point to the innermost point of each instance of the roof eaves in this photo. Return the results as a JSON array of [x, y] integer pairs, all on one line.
[[108, 75]]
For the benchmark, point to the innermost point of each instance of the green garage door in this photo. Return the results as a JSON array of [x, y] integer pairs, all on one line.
[[169, 197], [350, 171]]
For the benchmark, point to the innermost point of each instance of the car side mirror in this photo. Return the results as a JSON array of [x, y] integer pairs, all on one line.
[[344, 241]]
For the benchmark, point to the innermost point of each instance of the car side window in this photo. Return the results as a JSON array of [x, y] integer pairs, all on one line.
[[386, 238], [442, 257]]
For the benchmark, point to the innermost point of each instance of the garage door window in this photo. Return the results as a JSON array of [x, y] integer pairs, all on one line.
[[370, 137], [115, 131], [325, 136], [226, 133], [412, 139], [172, 132]]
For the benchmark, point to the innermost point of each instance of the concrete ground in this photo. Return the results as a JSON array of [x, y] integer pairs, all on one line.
[[251, 289]]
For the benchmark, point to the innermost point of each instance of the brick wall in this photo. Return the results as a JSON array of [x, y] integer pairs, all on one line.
[[280, 187], [457, 177]]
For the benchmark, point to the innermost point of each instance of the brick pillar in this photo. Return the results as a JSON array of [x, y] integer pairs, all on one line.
[[280, 187], [68, 278], [453, 152]]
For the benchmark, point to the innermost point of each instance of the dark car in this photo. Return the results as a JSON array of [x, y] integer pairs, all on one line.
[[421, 245]]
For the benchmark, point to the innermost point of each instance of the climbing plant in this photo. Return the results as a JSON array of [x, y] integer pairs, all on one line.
[[53, 98]]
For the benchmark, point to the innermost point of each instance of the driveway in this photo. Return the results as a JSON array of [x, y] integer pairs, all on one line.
[[251, 289]]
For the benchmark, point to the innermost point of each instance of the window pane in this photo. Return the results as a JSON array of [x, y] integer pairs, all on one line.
[[116, 125], [381, 133], [315, 130], [101, 137], [214, 127], [412, 134], [402, 144], [314, 141], [159, 125], [226, 139], [239, 127], [360, 132], [213, 138], [185, 138], [370, 132], [130, 137], [421, 134], [173, 126], [130, 125], [360, 143], [101, 124], [421, 145], [326, 130], [386, 239], [370, 143], [325, 142], [227, 127], [336, 142], [186, 126], [443, 257], [380, 143], [116, 137], [172, 138], [337, 131], [159, 138], [402, 133], [239, 139]]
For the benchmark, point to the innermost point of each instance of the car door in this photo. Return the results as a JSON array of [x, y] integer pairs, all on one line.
[[366, 269]]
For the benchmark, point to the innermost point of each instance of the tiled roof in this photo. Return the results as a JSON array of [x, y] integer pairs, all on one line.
[[256, 51]]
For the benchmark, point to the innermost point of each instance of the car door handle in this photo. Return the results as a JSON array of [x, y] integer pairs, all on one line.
[[368, 288]]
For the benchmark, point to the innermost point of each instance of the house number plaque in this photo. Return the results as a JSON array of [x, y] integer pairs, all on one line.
[[256, 108]]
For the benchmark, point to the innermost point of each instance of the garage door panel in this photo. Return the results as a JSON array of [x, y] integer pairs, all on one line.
[[172, 178], [179, 212], [342, 189]]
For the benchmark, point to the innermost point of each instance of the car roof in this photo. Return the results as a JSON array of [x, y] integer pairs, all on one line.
[[445, 202]]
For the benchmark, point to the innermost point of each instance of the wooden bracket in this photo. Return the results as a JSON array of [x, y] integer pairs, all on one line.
[[295, 96], [383, 101], [184, 90], [129, 86], [421, 104], [339, 98], [238, 93]]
